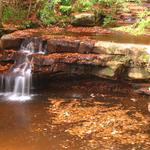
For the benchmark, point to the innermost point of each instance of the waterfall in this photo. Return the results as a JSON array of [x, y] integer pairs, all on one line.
[[33, 45], [16, 82]]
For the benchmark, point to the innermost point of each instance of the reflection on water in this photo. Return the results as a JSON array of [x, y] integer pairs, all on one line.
[[77, 115]]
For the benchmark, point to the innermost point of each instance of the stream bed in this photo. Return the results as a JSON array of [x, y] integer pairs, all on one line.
[[76, 113]]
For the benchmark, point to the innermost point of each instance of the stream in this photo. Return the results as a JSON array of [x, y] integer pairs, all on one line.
[[69, 112], [77, 113]]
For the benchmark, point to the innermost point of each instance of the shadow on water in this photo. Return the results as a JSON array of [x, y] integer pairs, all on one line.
[[77, 113]]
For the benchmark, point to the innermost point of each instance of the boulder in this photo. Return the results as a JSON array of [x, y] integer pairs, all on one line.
[[84, 19]]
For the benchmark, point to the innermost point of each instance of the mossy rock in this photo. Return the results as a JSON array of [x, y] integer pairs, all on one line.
[[84, 19], [138, 74]]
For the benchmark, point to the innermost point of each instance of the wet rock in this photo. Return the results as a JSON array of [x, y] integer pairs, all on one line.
[[85, 47], [60, 45], [10, 42], [84, 19]]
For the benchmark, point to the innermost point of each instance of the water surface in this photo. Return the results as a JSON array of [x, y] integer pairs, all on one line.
[[73, 114]]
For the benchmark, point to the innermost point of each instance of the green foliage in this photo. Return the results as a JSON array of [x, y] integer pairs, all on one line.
[[65, 2], [52, 10], [108, 20], [65, 10], [13, 14], [142, 23], [144, 57], [46, 14], [50, 15], [135, 1], [28, 24], [58, 12], [143, 14], [83, 5], [139, 27]]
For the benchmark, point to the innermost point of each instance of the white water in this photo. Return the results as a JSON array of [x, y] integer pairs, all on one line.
[[33, 45], [15, 84]]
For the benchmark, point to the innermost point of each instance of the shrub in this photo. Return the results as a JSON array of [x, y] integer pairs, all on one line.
[[51, 11], [83, 5], [108, 20], [13, 14], [46, 14], [65, 2], [65, 10]]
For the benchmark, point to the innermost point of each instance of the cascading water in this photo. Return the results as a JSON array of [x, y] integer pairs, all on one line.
[[33, 45], [16, 83]]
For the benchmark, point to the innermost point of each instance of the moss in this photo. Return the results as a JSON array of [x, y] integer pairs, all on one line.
[[108, 72], [144, 58], [121, 58]]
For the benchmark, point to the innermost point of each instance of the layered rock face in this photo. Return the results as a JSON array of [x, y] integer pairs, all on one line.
[[103, 59], [83, 57]]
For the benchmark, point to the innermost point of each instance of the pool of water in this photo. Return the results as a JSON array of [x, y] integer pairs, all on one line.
[[73, 114], [118, 37]]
